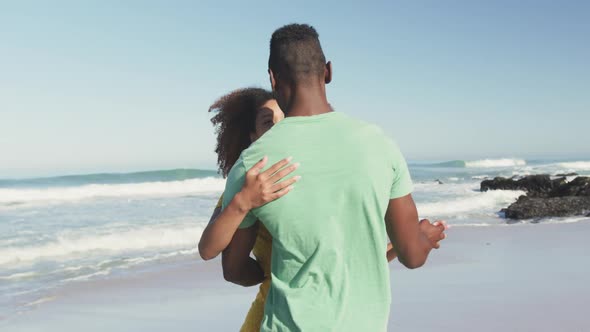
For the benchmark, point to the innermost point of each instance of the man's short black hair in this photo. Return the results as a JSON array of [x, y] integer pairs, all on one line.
[[296, 53]]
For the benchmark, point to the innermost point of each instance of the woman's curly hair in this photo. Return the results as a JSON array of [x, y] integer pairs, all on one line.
[[234, 121]]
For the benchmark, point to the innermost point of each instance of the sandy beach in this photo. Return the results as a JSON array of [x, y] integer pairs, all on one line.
[[525, 277]]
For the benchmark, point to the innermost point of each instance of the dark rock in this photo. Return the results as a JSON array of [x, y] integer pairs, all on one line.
[[579, 186], [567, 174], [536, 207], [545, 197], [535, 185]]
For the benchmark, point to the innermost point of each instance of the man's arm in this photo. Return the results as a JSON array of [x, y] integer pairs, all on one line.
[[238, 267], [390, 253], [411, 244]]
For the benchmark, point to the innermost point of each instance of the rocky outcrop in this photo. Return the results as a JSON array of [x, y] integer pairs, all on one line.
[[535, 185], [567, 174], [536, 207], [546, 197], [579, 186]]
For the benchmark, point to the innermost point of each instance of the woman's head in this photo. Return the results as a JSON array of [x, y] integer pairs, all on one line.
[[242, 117]]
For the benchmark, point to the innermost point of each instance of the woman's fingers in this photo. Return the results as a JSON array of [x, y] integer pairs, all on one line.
[[255, 170], [283, 184], [278, 176], [281, 193], [274, 168]]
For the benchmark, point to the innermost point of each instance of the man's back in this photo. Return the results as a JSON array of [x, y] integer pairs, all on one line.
[[329, 270]]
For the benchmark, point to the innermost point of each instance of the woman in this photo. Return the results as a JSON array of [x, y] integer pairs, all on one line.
[[242, 117]]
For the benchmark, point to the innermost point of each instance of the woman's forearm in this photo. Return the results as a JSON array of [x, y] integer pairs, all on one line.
[[218, 233]]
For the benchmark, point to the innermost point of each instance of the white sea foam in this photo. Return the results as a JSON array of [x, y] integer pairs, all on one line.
[[517, 223], [89, 276], [558, 220], [20, 275], [455, 189], [491, 163], [41, 300], [83, 244], [11, 196], [576, 165], [477, 225], [128, 263], [474, 203], [582, 167]]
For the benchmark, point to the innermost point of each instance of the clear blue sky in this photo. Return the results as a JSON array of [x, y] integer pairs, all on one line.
[[91, 86]]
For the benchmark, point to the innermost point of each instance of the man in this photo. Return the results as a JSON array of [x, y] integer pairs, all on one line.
[[329, 271]]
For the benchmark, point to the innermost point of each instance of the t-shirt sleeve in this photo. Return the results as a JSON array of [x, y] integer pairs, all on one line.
[[402, 181], [234, 183]]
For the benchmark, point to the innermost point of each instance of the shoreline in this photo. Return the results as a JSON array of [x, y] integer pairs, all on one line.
[[512, 278]]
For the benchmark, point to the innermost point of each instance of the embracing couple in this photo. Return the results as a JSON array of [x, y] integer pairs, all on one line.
[[314, 194]]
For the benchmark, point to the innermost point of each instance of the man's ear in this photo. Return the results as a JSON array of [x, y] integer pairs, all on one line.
[[273, 82], [328, 73]]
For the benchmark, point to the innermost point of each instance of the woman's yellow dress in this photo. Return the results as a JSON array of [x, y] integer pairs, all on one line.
[[262, 251]]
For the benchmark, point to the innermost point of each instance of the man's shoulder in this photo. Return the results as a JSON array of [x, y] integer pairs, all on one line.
[[261, 147], [238, 169], [369, 129], [248, 157], [374, 135]]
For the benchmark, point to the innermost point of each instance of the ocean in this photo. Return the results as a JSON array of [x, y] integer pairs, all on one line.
[[68, 229]]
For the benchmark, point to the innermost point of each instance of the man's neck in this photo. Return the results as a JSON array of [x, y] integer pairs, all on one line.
[[308, 102]]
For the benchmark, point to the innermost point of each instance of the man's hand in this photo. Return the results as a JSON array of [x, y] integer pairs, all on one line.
[[411, 239], [431, 231], [434, 232]]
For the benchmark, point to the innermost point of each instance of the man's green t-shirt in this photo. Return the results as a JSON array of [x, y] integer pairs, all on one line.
[[329, 271]]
